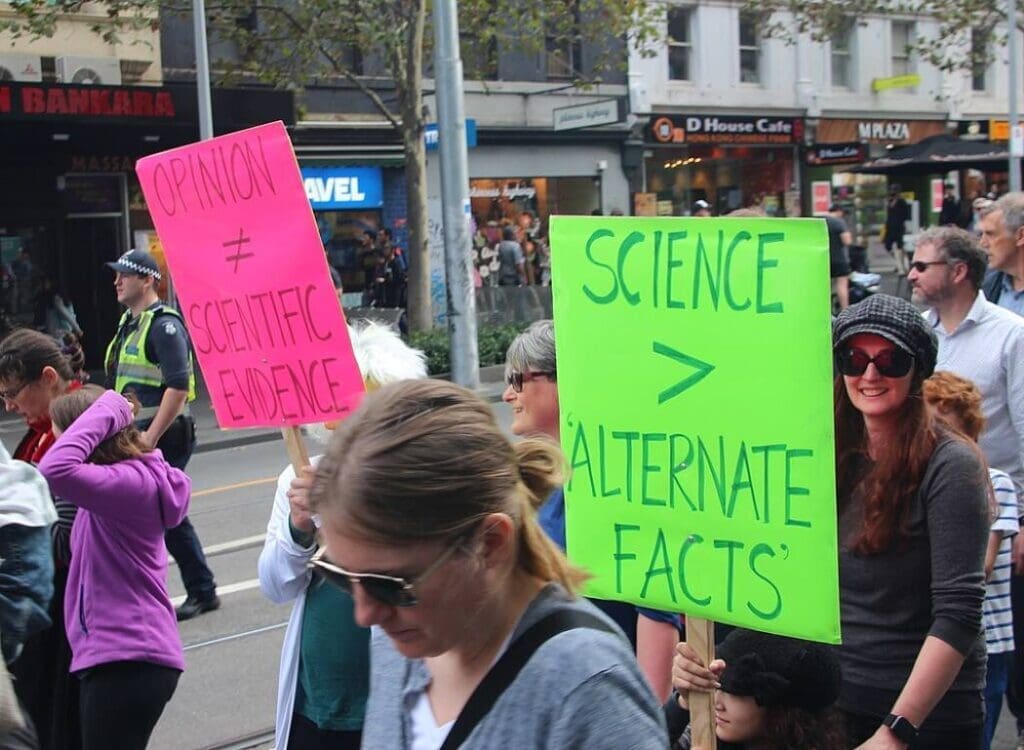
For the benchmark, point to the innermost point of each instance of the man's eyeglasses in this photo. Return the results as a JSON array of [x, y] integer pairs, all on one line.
[[11, 395], [921, 266], [891, 363], [516, 379], [392, 591]]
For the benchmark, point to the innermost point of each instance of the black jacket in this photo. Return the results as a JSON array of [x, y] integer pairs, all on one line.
[[992, 285]]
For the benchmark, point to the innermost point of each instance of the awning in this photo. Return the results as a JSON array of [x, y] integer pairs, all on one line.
[[937, 154]]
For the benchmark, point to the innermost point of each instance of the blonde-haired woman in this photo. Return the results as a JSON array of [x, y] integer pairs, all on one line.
[[429, 520]]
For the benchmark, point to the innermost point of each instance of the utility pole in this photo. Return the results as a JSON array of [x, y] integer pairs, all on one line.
[[202, 70], [451, 135], [1013, 50]]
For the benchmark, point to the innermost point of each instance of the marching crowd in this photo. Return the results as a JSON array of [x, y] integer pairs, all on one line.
[[433, 606]]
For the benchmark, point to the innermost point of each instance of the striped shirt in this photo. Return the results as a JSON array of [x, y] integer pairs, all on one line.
[[997, 611], [988, 348]]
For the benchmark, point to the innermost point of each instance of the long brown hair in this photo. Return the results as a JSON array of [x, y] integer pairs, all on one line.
[[788, 727], [120, 446], [25, 353], [425, 460], [892, 481]]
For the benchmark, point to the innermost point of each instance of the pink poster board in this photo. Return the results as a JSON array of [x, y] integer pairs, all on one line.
[[252, 279]]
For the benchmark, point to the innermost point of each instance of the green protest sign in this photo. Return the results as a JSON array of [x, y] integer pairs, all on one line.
[[695, 391]]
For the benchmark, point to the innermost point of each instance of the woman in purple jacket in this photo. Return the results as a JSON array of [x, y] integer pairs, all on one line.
[[117, 612]]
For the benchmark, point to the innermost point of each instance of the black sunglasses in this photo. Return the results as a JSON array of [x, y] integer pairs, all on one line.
[[515, 379], [921, 266], [392, 591], [891, 363]]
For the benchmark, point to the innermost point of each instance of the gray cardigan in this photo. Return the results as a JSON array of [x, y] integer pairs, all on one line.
[[581, 689]]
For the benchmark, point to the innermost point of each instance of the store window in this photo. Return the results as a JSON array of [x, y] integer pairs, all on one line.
[[498, 200], [902, 41], [727, 177], [750, 48], [680, 46], [979, 59], [842, 56]]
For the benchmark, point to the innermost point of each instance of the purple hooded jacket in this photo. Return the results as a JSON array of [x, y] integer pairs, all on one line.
[[117, 607]]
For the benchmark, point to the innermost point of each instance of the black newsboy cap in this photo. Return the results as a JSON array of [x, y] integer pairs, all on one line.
[[895, 320]]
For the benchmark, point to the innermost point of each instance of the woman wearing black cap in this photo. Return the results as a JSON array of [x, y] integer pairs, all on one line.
[[774, 693], [913, 522]]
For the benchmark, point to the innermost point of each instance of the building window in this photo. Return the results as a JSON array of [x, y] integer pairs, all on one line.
[[750, 49], [680, 45], [842, 56], [979, 59], [564, 51], [479, 57], [902, 40]]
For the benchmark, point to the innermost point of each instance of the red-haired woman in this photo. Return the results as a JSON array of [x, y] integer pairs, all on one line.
[[913, 527]]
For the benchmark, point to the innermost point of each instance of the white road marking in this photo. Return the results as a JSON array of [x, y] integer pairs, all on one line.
[[235, 636], [231, 588]]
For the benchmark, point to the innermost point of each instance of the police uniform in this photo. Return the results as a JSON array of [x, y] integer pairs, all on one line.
[[149, 354]]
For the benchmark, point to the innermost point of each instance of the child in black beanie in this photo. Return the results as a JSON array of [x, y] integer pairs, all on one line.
[[771, 693]]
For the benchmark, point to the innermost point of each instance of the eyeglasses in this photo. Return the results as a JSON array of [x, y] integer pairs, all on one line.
[[392, 591], [11, 395], [516, 379], [891, 363], [921, 266]]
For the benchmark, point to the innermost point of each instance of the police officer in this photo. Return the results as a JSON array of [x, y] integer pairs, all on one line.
[[150, 357]]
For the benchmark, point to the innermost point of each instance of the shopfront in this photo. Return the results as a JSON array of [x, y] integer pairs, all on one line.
[[69, 197], [730, 161], [839, 143]]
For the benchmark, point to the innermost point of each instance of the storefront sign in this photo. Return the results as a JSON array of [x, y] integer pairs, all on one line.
[[878, 131], [171, 104], [896, 82], [973, 130], [999, 131], [645, 204], [821, 197], [108, 163], [591, 114], [91, 194], [250, 272], [938, 190], [431, 135], [702, 492], [343, 187], [725, 129], [510, 191], [823, 154]]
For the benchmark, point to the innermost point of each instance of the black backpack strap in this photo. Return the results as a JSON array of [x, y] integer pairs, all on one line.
[[511, 663]]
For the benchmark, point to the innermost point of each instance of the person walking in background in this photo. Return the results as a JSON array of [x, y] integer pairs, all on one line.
[[512, 269], [839, 240], [118, 615], [150, 359], [33, 373], [1002, 237], [897, 214], [429, 521], [957, 401]]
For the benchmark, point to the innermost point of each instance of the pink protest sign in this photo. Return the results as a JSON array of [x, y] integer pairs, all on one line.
[[251, 275]]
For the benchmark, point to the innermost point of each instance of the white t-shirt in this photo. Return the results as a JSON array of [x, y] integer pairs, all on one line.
[[997, 610]]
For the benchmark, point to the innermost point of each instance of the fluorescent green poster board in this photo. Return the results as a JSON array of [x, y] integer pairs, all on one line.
[[695, 391]]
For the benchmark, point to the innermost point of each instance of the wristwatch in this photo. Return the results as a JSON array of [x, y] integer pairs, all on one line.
[[901, 727]]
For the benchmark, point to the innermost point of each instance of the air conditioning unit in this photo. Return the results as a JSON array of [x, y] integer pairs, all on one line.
[[104, 71], [21, 68]]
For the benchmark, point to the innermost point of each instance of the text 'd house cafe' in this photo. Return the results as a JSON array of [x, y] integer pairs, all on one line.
[[69, 195], [729, 161]]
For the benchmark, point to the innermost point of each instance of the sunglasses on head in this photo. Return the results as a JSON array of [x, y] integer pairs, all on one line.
[[392, 591], [516, 379], [891, 363]]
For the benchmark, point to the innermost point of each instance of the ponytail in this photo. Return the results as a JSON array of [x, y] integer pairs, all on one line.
[[541, 468]]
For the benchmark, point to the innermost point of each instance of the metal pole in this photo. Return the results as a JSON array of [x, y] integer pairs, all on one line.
[[1013, 50], [202, 70], [451, 133]]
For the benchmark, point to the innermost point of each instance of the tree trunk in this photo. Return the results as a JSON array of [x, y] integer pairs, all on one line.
[[410, 97], [421, 315]]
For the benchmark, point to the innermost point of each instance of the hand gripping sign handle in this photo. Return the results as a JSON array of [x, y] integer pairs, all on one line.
[[296, 448], [700, 635]]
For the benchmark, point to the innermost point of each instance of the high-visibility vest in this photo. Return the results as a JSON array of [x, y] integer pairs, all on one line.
[[134, 366]]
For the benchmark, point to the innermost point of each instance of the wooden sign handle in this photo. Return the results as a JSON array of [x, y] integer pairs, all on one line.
[[700, 635], [296, 448]]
